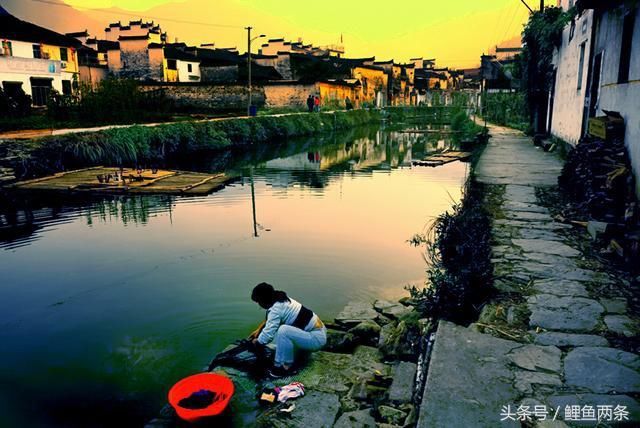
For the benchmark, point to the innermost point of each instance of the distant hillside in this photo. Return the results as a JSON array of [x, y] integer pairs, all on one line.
[[58, 18]]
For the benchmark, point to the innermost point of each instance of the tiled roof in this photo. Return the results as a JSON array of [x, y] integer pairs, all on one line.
[[103, 45], [15, 29], [84, 33], [143, 37], [175, 53]]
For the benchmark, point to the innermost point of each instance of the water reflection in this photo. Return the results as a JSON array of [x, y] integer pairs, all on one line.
[[115, 298], [310, 162]]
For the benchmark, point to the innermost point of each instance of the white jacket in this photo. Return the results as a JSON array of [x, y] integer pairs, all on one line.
[[282, 313]]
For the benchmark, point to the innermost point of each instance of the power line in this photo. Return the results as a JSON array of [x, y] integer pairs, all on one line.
[[529, 7], [155, 18], [496, 27], [508, 28]]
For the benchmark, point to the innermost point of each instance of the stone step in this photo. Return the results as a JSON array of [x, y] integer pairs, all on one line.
[[469, 380]]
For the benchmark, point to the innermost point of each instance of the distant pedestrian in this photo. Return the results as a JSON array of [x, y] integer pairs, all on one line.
[[310, 103], [316, 103], [347, 104]]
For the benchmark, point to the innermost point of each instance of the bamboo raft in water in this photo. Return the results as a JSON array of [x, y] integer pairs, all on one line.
[[128, 181], [442, 158]]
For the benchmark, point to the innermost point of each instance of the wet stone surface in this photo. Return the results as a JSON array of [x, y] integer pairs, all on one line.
[[524, 207], [401, 390], [527, 382], [602, 370], [560, 287], [390, 309], [472, 367], [569, 339], [621, 324], [564, 313], [545, 247], [534, 357], [356, 419], [356, 312], [615, 306], [315, 409]]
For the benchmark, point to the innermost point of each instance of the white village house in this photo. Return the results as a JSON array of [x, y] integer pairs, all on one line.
[[598, 69], [35, 59]]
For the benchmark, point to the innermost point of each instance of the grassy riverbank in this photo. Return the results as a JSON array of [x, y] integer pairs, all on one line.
[[149, 145], [153, 145], [458, 247]]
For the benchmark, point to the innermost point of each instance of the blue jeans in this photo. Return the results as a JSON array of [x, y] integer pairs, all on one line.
[[289, 338]]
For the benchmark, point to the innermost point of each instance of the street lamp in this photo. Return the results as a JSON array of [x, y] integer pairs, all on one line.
[[249, 40]]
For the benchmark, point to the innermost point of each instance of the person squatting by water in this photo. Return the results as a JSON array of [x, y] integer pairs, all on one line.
[[290, 324]]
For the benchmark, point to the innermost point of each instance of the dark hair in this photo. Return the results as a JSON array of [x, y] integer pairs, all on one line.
[[265, 293]]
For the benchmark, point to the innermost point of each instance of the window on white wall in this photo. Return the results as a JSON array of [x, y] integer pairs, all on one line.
[[189, 68], [37, 51], [626, 46], [581, 65], [7, 49]]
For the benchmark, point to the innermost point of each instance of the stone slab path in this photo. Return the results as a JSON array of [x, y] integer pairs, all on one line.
[[565, 362]]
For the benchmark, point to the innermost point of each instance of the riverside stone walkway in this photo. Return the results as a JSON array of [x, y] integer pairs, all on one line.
[[557, 334]]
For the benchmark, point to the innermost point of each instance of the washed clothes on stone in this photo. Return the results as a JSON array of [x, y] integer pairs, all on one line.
[[280, 324]]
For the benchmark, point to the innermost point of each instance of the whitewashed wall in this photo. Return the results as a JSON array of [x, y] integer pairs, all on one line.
[[625, 97], [568, 103], [184, 73], [22, 65]]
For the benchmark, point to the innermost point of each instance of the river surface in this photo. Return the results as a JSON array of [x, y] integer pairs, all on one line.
[[106, 302]]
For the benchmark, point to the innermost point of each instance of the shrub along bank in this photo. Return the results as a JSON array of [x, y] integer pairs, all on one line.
[[460, 274], [152, 145]]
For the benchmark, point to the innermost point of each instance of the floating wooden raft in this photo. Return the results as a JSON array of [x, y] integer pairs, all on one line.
[[145, 181], [442, 158]]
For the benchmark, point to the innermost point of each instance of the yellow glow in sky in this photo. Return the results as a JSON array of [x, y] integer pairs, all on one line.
[[138, 5], [455, 32]]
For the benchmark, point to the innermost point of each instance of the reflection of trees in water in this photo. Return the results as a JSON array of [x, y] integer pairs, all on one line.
[[316, 168], [239, 158], [22, 215], [127, 209]]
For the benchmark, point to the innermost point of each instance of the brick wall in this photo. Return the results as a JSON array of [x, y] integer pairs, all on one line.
[[289, 95], [199, 97], [203, 97]]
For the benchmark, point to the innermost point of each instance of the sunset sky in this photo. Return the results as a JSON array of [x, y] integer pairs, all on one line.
[[455, 32]]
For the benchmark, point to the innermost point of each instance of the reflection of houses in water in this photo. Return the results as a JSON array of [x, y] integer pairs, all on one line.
[[383, 149]]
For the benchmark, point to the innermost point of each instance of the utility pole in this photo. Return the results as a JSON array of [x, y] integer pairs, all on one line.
[[249, 67], [541, 5], [253, 203], [249, 40]]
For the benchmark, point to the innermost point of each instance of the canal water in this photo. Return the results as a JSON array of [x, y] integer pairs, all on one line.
[[106, 302]]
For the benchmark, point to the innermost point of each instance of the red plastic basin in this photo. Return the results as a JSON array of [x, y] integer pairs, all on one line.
[[221, 385]]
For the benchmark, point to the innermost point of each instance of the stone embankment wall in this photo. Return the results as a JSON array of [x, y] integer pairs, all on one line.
[[233, 97], [199, 97]]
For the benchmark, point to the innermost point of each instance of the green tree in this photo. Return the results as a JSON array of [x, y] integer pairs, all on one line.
[[541, 35]]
